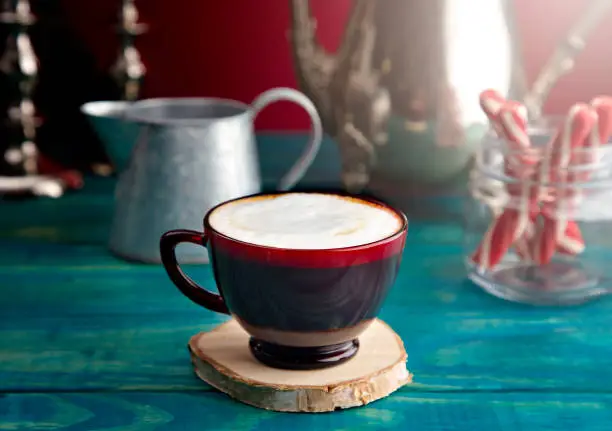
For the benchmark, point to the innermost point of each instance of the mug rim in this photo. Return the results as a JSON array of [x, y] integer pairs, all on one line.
[[301, 257]]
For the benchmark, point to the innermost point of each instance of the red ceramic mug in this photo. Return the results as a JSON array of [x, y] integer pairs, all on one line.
[[304, 308]]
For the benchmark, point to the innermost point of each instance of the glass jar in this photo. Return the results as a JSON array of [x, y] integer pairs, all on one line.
[[541, 234]]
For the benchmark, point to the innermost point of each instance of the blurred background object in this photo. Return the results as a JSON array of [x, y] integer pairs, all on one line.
[[398, 94], [129, 70], [196, 48], [44, 78], [105, 116], [24, 170]]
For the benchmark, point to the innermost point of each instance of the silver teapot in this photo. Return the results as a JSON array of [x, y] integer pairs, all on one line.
[[400, 96]]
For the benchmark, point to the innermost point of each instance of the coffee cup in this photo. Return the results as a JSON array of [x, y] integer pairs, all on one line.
[[304, 273]]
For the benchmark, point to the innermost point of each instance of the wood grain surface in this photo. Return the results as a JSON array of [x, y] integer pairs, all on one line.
[[90, 342]]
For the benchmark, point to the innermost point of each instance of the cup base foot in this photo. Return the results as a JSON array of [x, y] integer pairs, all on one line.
[[302, 358]]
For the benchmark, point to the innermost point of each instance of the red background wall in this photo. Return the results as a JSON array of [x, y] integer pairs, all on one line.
[[239, 48]]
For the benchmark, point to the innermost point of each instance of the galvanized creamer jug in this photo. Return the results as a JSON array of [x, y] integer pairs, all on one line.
[[190, 155]]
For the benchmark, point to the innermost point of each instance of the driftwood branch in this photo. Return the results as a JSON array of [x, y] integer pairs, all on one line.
[[344, 86], [564, 57], [314, 66]]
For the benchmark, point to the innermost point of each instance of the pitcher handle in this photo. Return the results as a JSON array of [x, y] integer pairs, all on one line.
[[297, 171]]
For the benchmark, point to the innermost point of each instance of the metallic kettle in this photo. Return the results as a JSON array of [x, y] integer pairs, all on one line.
[[400, 95]]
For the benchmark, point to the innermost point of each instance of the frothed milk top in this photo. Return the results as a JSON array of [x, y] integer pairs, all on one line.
[[305, 221]]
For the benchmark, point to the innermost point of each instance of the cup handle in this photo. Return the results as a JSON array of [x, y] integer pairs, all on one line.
[[189, 288], [300, 167]]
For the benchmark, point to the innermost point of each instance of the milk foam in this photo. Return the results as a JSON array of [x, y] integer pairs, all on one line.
[[305, 221]]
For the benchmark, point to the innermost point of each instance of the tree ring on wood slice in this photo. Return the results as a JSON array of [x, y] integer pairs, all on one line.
[[223, 359]]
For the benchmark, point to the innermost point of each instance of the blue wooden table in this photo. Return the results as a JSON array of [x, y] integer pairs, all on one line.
[[90, 342]]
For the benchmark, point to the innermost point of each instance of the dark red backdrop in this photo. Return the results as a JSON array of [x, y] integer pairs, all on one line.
[[238, 48]]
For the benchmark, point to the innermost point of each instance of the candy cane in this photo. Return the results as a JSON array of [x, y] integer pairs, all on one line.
[[491, 101], [513, 121], [572, 242], [519, 163], [600, 135], [509, 124], [575, 130], [509, 120], [502, 233], [570, 137], [522, 245], [515, 219], [603, 107]]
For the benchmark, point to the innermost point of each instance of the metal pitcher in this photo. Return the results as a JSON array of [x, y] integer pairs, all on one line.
[[400, 95], [190, 155]]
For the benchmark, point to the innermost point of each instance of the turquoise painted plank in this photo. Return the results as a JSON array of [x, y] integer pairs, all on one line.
[[127, 328], [213, 411]]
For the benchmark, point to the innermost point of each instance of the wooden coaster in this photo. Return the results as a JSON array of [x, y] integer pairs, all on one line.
[[222, 359]]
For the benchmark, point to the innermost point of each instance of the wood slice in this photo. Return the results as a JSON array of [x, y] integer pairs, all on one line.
[[222, 359]]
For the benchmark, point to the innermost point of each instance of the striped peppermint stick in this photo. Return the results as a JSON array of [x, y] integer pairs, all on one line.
[[513, 121], [600, 135], [603, 107], [572, 242], [572, 135], [519, 164], [515, 219], [491, 102]]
